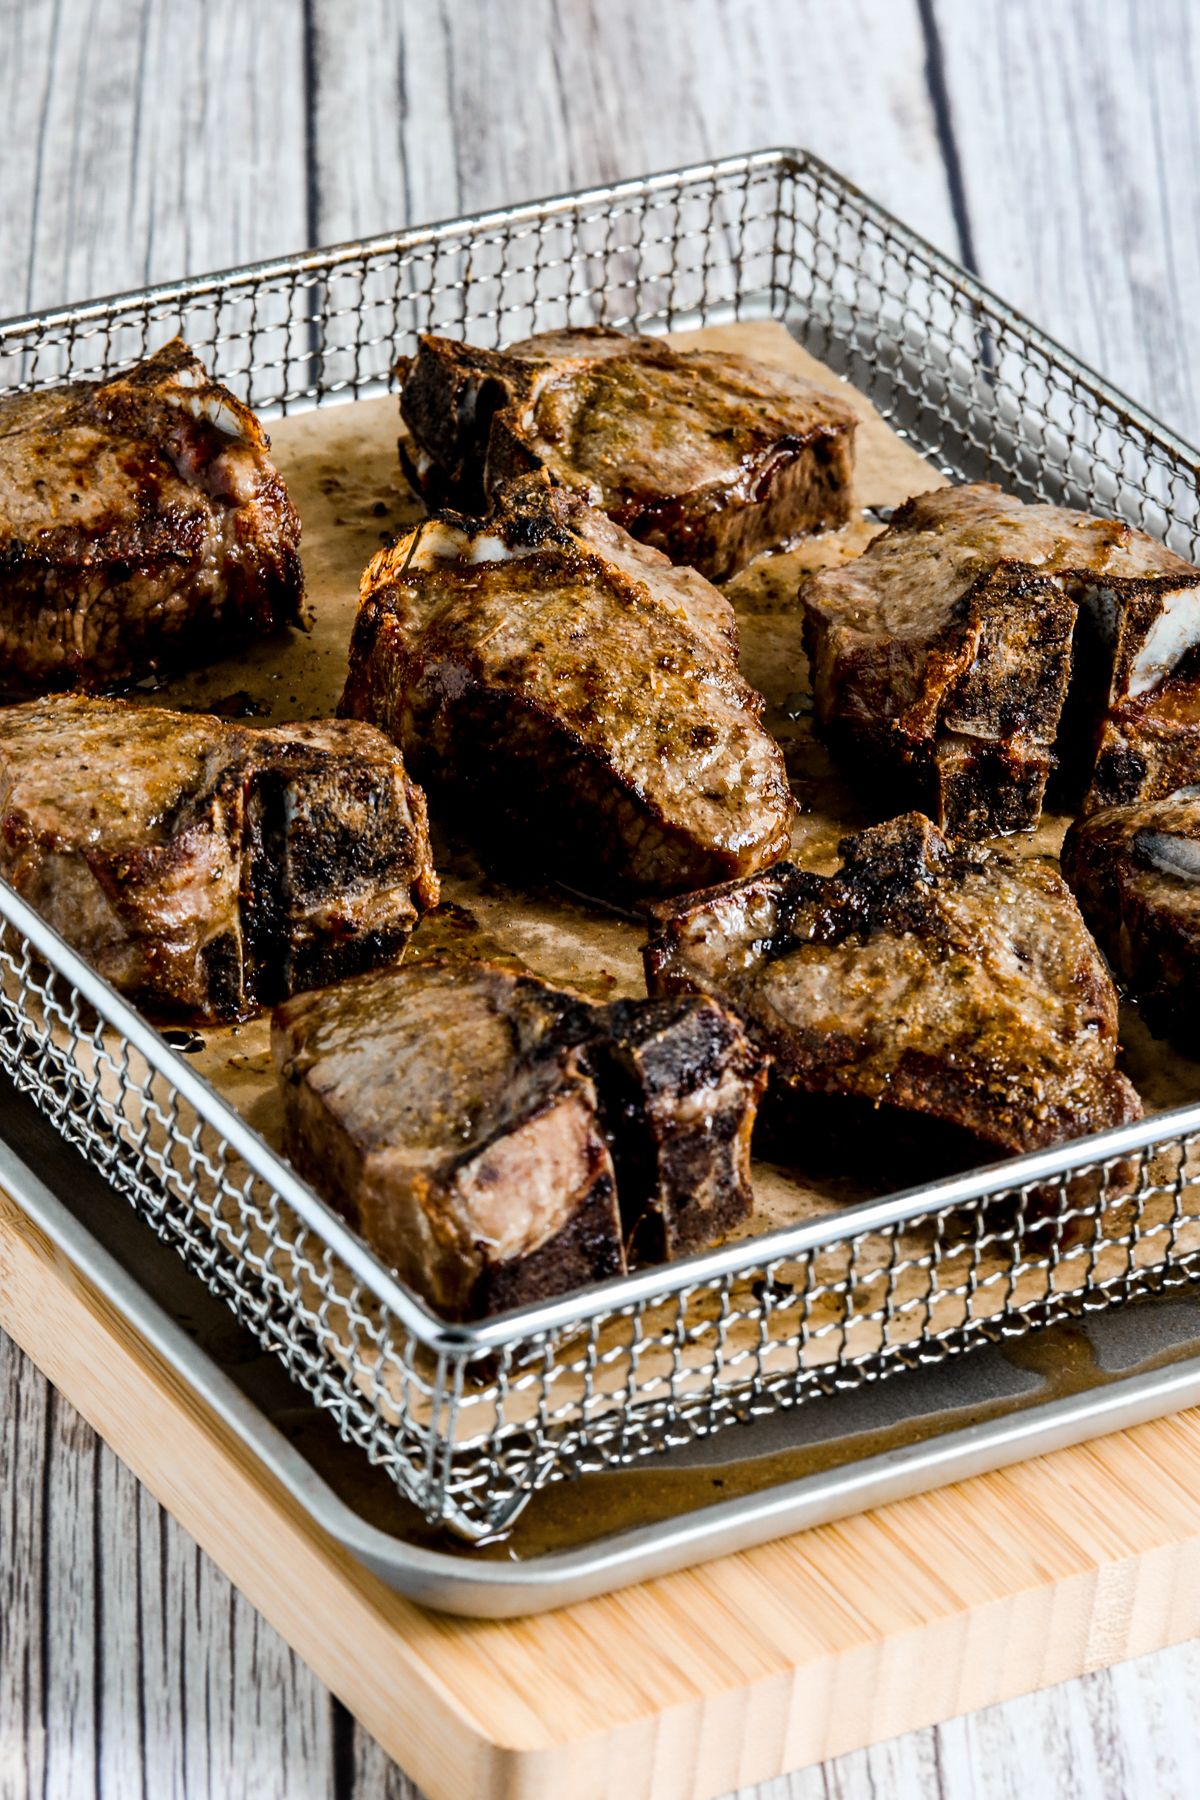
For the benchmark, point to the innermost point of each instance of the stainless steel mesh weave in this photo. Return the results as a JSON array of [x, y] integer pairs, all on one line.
[[469, 1421]]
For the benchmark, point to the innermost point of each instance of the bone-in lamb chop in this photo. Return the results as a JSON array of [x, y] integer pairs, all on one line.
[[207, 868], [940, 658], [142, 526], [959, 986], [711, 457], [571, 696], [1135, 871], [497, 1141]]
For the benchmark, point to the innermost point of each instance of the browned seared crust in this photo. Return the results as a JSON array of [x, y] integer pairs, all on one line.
[[448, 1110], [142, 526], [1135, 871], [963, 987], [941, 656], [206, 868], [709, 456], [680, 1084], [497, 1140], [569, 694]]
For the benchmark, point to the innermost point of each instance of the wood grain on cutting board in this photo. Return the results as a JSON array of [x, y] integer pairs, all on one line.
[[698, 1682]]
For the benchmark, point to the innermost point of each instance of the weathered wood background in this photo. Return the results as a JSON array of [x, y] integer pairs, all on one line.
[[1052, 144]]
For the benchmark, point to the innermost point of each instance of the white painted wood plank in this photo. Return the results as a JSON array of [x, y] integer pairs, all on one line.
[[128, 1663], [145, 139], [1079, 133], [423, 111], [71, 1671], [369, 1774], [120, 1752], [24, 1417]]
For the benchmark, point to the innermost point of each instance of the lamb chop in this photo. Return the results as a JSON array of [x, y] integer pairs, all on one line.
[[940, 658], [956, 986], [451, 1117], [142, 526], [679, 1085], [709, 456], [464, 1117], [570, 696], [206, 868], [1135, 871]]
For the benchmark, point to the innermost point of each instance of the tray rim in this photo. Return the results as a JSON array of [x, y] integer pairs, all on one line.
[[468, 1587], [458, 1342]]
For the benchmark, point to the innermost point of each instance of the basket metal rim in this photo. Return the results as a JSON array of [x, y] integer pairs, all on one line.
[[462, 1584], [331, 256], [623, 1292], [782, 157], [464, 1341]]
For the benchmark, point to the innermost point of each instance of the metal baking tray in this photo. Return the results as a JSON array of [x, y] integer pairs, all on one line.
[[1011, 1400], [470, 1421]]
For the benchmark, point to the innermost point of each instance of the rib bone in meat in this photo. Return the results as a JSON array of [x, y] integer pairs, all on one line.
[[959, 986], [206, 868], [941, 656], [142, 525], [709, 456], [569, 694], [1136, 874]]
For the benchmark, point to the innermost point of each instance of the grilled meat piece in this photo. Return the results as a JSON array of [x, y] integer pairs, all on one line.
[[960, 986], [207, 868], [448, 1111], [680, 1084], [570, 696], [142, 525], [940, 658], [1147, 743], [710, 457], [1135, 871], [465, 1117]]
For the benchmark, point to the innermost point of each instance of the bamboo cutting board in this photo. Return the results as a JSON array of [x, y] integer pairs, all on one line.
[[696, 1683]]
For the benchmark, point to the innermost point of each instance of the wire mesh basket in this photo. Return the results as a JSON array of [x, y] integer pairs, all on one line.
[[469, 1420]]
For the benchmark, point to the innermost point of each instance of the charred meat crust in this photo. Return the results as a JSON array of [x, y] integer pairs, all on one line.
[[570, 697], [960, 986], [142, 526], [1135, 871], [710, 457], [942, 657], [477, 1125], [680, 1084], [207, 868]]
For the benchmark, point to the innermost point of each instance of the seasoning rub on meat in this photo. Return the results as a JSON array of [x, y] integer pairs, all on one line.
[[709, 456], [207, 868], [143, 526], [568, 695], [941, 657], [958, 987]]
